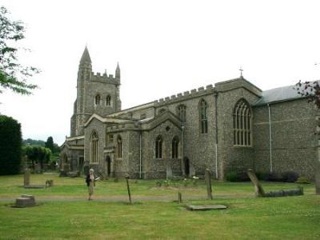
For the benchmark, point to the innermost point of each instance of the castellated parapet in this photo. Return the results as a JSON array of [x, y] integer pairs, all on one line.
[[186, 95], [97, 77]]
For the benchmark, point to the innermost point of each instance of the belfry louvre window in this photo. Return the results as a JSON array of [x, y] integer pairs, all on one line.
[[108, 100], [158, 146], [94, 147], [119, 147], [242, 124], [203, 117], [97, 99]]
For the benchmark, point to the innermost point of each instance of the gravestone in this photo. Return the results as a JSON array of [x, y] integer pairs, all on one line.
[[26, 177], [25, 201], [258, 190], [208, 182]]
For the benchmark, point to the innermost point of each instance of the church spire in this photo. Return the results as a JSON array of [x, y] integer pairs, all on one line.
[[85, 57], [118, 71]]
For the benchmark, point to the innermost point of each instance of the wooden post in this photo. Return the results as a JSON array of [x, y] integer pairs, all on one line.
[[128, 187], [209, 186], [179, 197]]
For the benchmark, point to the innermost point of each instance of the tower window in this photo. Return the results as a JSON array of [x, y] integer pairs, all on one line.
[[97, 99], [108, 100]]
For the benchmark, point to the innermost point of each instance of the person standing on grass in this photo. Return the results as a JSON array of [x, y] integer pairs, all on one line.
[[90, 183]]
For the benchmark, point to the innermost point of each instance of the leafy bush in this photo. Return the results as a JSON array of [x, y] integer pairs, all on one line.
[[303, 180], [237, 176]]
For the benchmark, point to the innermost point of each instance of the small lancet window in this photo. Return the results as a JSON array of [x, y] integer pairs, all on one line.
[[175, 147], [203, 116], [158, 145]]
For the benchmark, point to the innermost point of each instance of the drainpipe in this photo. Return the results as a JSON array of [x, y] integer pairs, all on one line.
[[270, 139], [216, 139], [140, 154]]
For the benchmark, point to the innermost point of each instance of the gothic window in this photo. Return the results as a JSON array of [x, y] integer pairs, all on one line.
[[203, 116], [94, 148], [158, 145], [242, 124], [175, 147], [108, 100], [182, 113], [97, 99], [119, 147]]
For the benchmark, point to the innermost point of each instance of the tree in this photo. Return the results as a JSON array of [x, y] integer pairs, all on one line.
[[311, 91], [10, 146], [13, 75], [37, 155], [49, 144]]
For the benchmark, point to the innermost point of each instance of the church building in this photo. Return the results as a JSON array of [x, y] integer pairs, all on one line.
[[226, 127]]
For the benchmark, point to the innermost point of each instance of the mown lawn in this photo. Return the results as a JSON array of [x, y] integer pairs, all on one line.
[[63, 212]]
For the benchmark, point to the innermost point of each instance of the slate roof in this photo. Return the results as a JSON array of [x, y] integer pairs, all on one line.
[[278, 95]]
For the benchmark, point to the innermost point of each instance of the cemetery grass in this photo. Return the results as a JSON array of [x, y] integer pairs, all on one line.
[[63, 211]]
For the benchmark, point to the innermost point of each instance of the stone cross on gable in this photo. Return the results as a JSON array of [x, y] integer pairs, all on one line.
[[241, 70]]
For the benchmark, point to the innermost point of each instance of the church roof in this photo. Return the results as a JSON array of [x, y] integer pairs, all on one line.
[[278, 95]]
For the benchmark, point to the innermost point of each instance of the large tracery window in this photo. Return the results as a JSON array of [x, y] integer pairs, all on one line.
[[158, 145], [242, 124], [203, 116], [94, 148], [175, 147]]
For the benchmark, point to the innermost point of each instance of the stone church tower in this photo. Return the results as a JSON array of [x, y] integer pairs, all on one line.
[[96, 93]]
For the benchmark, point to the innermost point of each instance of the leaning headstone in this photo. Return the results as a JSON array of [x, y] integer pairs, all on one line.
[[259, 192], [26, 177]]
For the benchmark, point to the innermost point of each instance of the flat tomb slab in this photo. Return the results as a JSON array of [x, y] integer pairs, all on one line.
[[205, 207], [25, 201]]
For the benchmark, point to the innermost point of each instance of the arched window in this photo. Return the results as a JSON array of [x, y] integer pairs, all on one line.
[[182, 112], [203, 116], [94, 148], [175, 147], [108, 100], [158, 145], [97, 99], [242, 124], [119, 147]]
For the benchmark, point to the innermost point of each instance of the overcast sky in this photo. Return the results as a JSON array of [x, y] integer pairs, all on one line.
[[164, 47]]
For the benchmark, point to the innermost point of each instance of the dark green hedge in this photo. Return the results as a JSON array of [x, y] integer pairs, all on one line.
[[10, 146]]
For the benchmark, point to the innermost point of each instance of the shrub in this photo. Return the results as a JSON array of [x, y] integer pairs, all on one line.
[[237, 176], [10, 146], [303, 180], [290, 176]]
